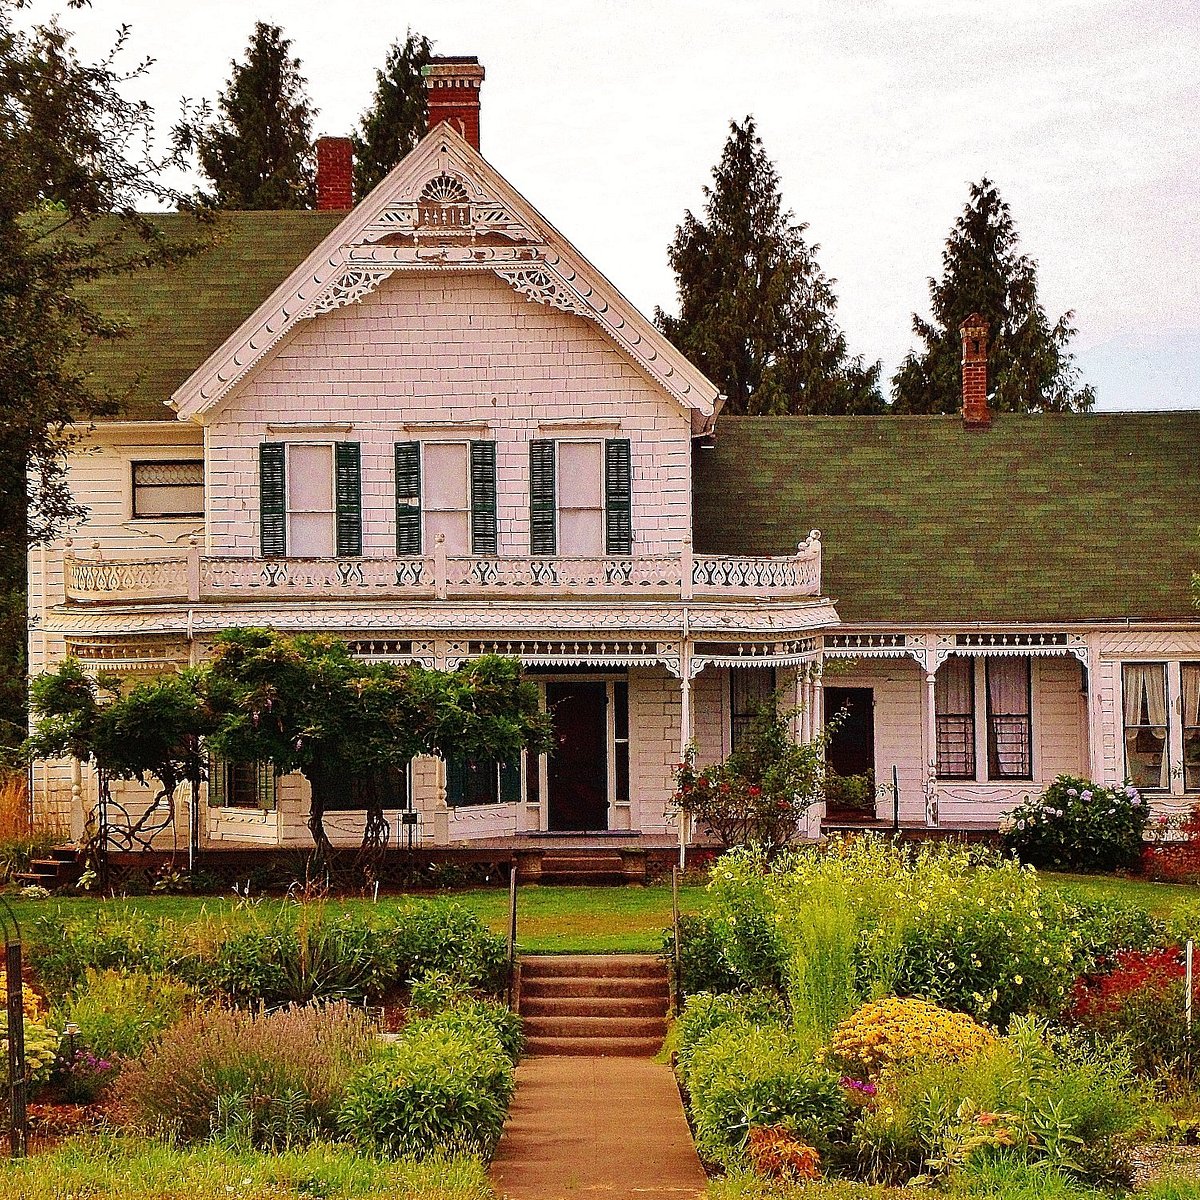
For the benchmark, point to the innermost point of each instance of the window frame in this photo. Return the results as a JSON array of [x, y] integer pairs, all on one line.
[[1167, 728], [1185, 728], [990, 715], [971, 774], [559, 507], [741, 720], [289, 511], [427, 540], [134, 488]]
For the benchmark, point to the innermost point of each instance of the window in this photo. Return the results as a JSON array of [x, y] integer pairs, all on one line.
[[471, 781], [165, 490], [1009, 722], [1190, 695], [580, 498], [242, 785], [751, 689], [446, 488], [620, 692], [1147, 762], [310, 499], [954, 703]]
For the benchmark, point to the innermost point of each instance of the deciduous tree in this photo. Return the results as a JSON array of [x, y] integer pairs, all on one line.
[[1030, 368], [756, 312]]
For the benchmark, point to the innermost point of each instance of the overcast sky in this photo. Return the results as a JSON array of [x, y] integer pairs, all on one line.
[[609, 115]]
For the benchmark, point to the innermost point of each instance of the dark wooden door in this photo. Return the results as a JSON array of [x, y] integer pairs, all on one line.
[[851, 747], [577, 767]]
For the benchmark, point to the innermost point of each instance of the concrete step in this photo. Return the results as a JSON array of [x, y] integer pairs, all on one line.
[[596, 1027], [593, 966], [580, 861], [579, 879], [611, 1047], [593, 1006], [559, 986]]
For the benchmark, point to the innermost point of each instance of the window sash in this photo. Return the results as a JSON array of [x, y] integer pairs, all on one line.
[[164, 498], [311, 503], [581, 523], [1146, 717], [954, 707], [750, 689], [1009, 717]]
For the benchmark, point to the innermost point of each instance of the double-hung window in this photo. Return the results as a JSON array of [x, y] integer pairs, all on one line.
[[447, 489], [751, 690], [954, 702], [580, 498], [1190, 705], [310, 499], [1009, 718], [1144, 698], [242, 785]]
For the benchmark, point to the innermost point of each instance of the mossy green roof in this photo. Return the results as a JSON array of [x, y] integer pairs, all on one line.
[[1041, 518], [177, 316]]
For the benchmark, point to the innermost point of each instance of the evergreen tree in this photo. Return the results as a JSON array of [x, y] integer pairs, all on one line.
[[258, 152], [756, 313], [1029, 366], [398, 115]]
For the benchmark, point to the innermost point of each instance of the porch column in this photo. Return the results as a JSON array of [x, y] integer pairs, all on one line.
[[685, 735], [931, 814]]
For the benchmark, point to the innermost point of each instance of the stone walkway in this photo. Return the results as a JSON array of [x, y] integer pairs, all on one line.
[[583, 1126]]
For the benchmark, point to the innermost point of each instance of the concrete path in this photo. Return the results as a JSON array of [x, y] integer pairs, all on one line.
[[603, 1127]]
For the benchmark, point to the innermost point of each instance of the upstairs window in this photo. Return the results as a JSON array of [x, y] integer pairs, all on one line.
[[446, 488], [1147, 762], [310, 500], [1009, 723], [580, 498], [167, 490], [954, 703]]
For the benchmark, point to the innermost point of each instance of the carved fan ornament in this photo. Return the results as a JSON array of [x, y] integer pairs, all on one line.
[[444, 189]]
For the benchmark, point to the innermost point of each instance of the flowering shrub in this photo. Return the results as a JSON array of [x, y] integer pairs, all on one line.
[[82, 1076], [32, 1004], [896, 1030], [759, 794], [1174, 855], [118, 1014], [41, 1048], [776, 1153], [1079, 826]]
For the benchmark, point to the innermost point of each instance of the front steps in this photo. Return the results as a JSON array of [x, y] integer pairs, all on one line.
[[583, 868], [594, 1004], [58, 870]]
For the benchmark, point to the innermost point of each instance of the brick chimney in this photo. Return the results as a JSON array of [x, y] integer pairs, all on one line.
[[452, 92], [335, 174], [975, 411]]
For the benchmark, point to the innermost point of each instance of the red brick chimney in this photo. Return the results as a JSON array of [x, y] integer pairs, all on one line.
[[975, 411], [452, 92], [335, 174]]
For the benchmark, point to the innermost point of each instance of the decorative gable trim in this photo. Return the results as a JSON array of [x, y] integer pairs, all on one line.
[[443, 208]]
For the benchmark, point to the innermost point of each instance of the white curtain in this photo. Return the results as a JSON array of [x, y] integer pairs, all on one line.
[[956, 686], [1191, 695], [1146, 705], [1008, 686], [1009, 733]]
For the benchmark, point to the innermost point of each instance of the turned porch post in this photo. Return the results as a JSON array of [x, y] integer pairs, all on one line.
[[931, 808], [685, 729]]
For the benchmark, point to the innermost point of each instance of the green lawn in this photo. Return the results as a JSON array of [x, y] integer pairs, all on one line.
[[1161, 899], [610, 919]]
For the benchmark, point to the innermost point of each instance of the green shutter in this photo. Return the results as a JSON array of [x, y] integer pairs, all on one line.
[[510, 781], [618, 497], [408, 498], [272, 505], [216, 782], [456, 781], [266, 786], [348, 493], [542, 514], [483, 497]]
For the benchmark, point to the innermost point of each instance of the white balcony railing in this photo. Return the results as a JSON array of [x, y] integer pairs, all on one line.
[[194, 578]]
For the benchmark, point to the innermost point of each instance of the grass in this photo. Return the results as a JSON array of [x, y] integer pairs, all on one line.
[[1160, 899], [143, 1169], [612, 920]]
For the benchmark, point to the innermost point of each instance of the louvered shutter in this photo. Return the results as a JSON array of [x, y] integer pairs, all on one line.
[[408, 497], [542, 538], [483, 497], [266, 785], [216, 782], [272, 504], [348, 499], [510, 781], [618, 497], [456, 781]]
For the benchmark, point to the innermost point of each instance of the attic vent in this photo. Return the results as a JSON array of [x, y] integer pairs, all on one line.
[[444, 189]]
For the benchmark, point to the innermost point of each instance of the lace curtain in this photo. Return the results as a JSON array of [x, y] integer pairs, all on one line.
[[1146, 713]]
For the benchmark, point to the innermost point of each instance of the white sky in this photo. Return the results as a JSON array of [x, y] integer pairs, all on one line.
[[609, 115]]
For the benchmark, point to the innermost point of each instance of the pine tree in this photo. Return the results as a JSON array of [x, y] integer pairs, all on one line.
[[398, 115], [756, 313], [1029, 366], [258, 153]]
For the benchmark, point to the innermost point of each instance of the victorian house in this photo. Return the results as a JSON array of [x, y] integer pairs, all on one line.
[[426, 424]]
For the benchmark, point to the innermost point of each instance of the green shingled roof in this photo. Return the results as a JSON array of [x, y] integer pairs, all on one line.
[[178, 316], [1038, 519]]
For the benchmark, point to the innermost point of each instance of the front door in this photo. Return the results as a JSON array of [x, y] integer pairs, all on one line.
[[577, 767], [850, 751]]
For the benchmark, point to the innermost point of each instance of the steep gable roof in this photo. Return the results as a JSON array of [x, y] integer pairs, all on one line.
[[443, 208], [1042, 518]]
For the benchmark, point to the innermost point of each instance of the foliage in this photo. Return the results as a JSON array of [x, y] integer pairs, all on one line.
[[128, 1168], [1079, 826], [741, 1075], [885, 1033], [261, 1079], [257, 152], [1174, 853], [758, 795], [775, 1153], [41, 1046], [119, 1013], [704, 1012], [702, 967], [439, 993], [81, 1075], [757, 314], [442, 1087], [63, 949], [397, 117], [853, 792], [1029, 366], [1106, 927]]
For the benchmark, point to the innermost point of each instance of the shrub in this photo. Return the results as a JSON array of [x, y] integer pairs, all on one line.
[[1105, 927], [702, 965], [437, 993], [263, 1079], [63, 949], [443, 1087], [740, 1076], [1079, 826], [704, 1012], [885, 1033], [119, 1014], [775, 1153], [41, 1049]]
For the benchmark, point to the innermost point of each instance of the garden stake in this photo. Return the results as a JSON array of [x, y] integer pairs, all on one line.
[[512, 928], [675, 923], [1187, 999]]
